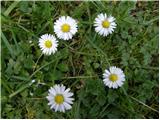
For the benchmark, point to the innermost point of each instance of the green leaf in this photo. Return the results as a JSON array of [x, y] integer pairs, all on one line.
[[63, 67], [57, 75], [112, 96], [101, 99], [24, 6]]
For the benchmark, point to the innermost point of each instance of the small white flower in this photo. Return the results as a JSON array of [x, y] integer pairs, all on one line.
[[65, 27], [104, 25], [60, 98], [48, 44], [114, 77]]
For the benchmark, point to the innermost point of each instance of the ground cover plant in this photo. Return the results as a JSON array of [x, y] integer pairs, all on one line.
[[79, 63]]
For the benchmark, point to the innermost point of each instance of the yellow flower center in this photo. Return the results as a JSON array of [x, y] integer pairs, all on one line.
[[48, 43], [106, 24], [59, 99], [65, 28], [113, 77]]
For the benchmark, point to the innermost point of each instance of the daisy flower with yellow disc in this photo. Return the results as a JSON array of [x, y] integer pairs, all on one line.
[[48, 44], [104, 25], [114, 77], [60, 98], [65, 27]]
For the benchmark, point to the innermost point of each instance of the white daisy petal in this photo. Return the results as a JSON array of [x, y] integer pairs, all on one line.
[[68, 94], [107, 83], [65, 27], [114, 77], [67, 106], [60, 98], [53, 105], [56, 108], [104, 25], [62, 108], [69, 100]]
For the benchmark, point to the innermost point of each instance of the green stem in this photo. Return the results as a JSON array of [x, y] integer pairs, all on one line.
[[20, 90], [129, 100], [144, 104], [43, 67], [29, 82], [100, 50], [80, 77], [138, 101], [37, 62]]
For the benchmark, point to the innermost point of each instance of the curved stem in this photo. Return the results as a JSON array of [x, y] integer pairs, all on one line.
[[144, 104], [37, 62]]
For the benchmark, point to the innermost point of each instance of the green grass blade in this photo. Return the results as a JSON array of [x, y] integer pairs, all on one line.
[[11, 7], [98, 49], [144, 104], [19, 78], [43, 67], [5, 85], [20, 89], [14, 38], [7, 44]]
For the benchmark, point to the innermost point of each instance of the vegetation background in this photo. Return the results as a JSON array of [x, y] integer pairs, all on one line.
[[80, 62]]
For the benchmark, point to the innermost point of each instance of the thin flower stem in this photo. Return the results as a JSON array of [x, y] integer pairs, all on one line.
[[30, 83], [43, 67], [139, 101], [129, 100], [103, 110], [88, 54], [144, 104], [80, 77], [152, 68], [20, 89], [77, 77], [38, 98], [37, 62], [100, 50]]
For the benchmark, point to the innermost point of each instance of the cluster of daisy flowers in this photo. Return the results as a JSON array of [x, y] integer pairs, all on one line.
[[61, 98], [65, 27]]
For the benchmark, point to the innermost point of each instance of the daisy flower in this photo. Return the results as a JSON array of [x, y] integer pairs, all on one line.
[[48, 44], [104, 24], [60, 98], [65, 27], [114, 77]]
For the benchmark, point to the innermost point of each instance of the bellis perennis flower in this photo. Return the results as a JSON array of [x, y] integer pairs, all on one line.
[[114, 77], [60, 98], [48, 44], [65, 27], [104, 25]]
